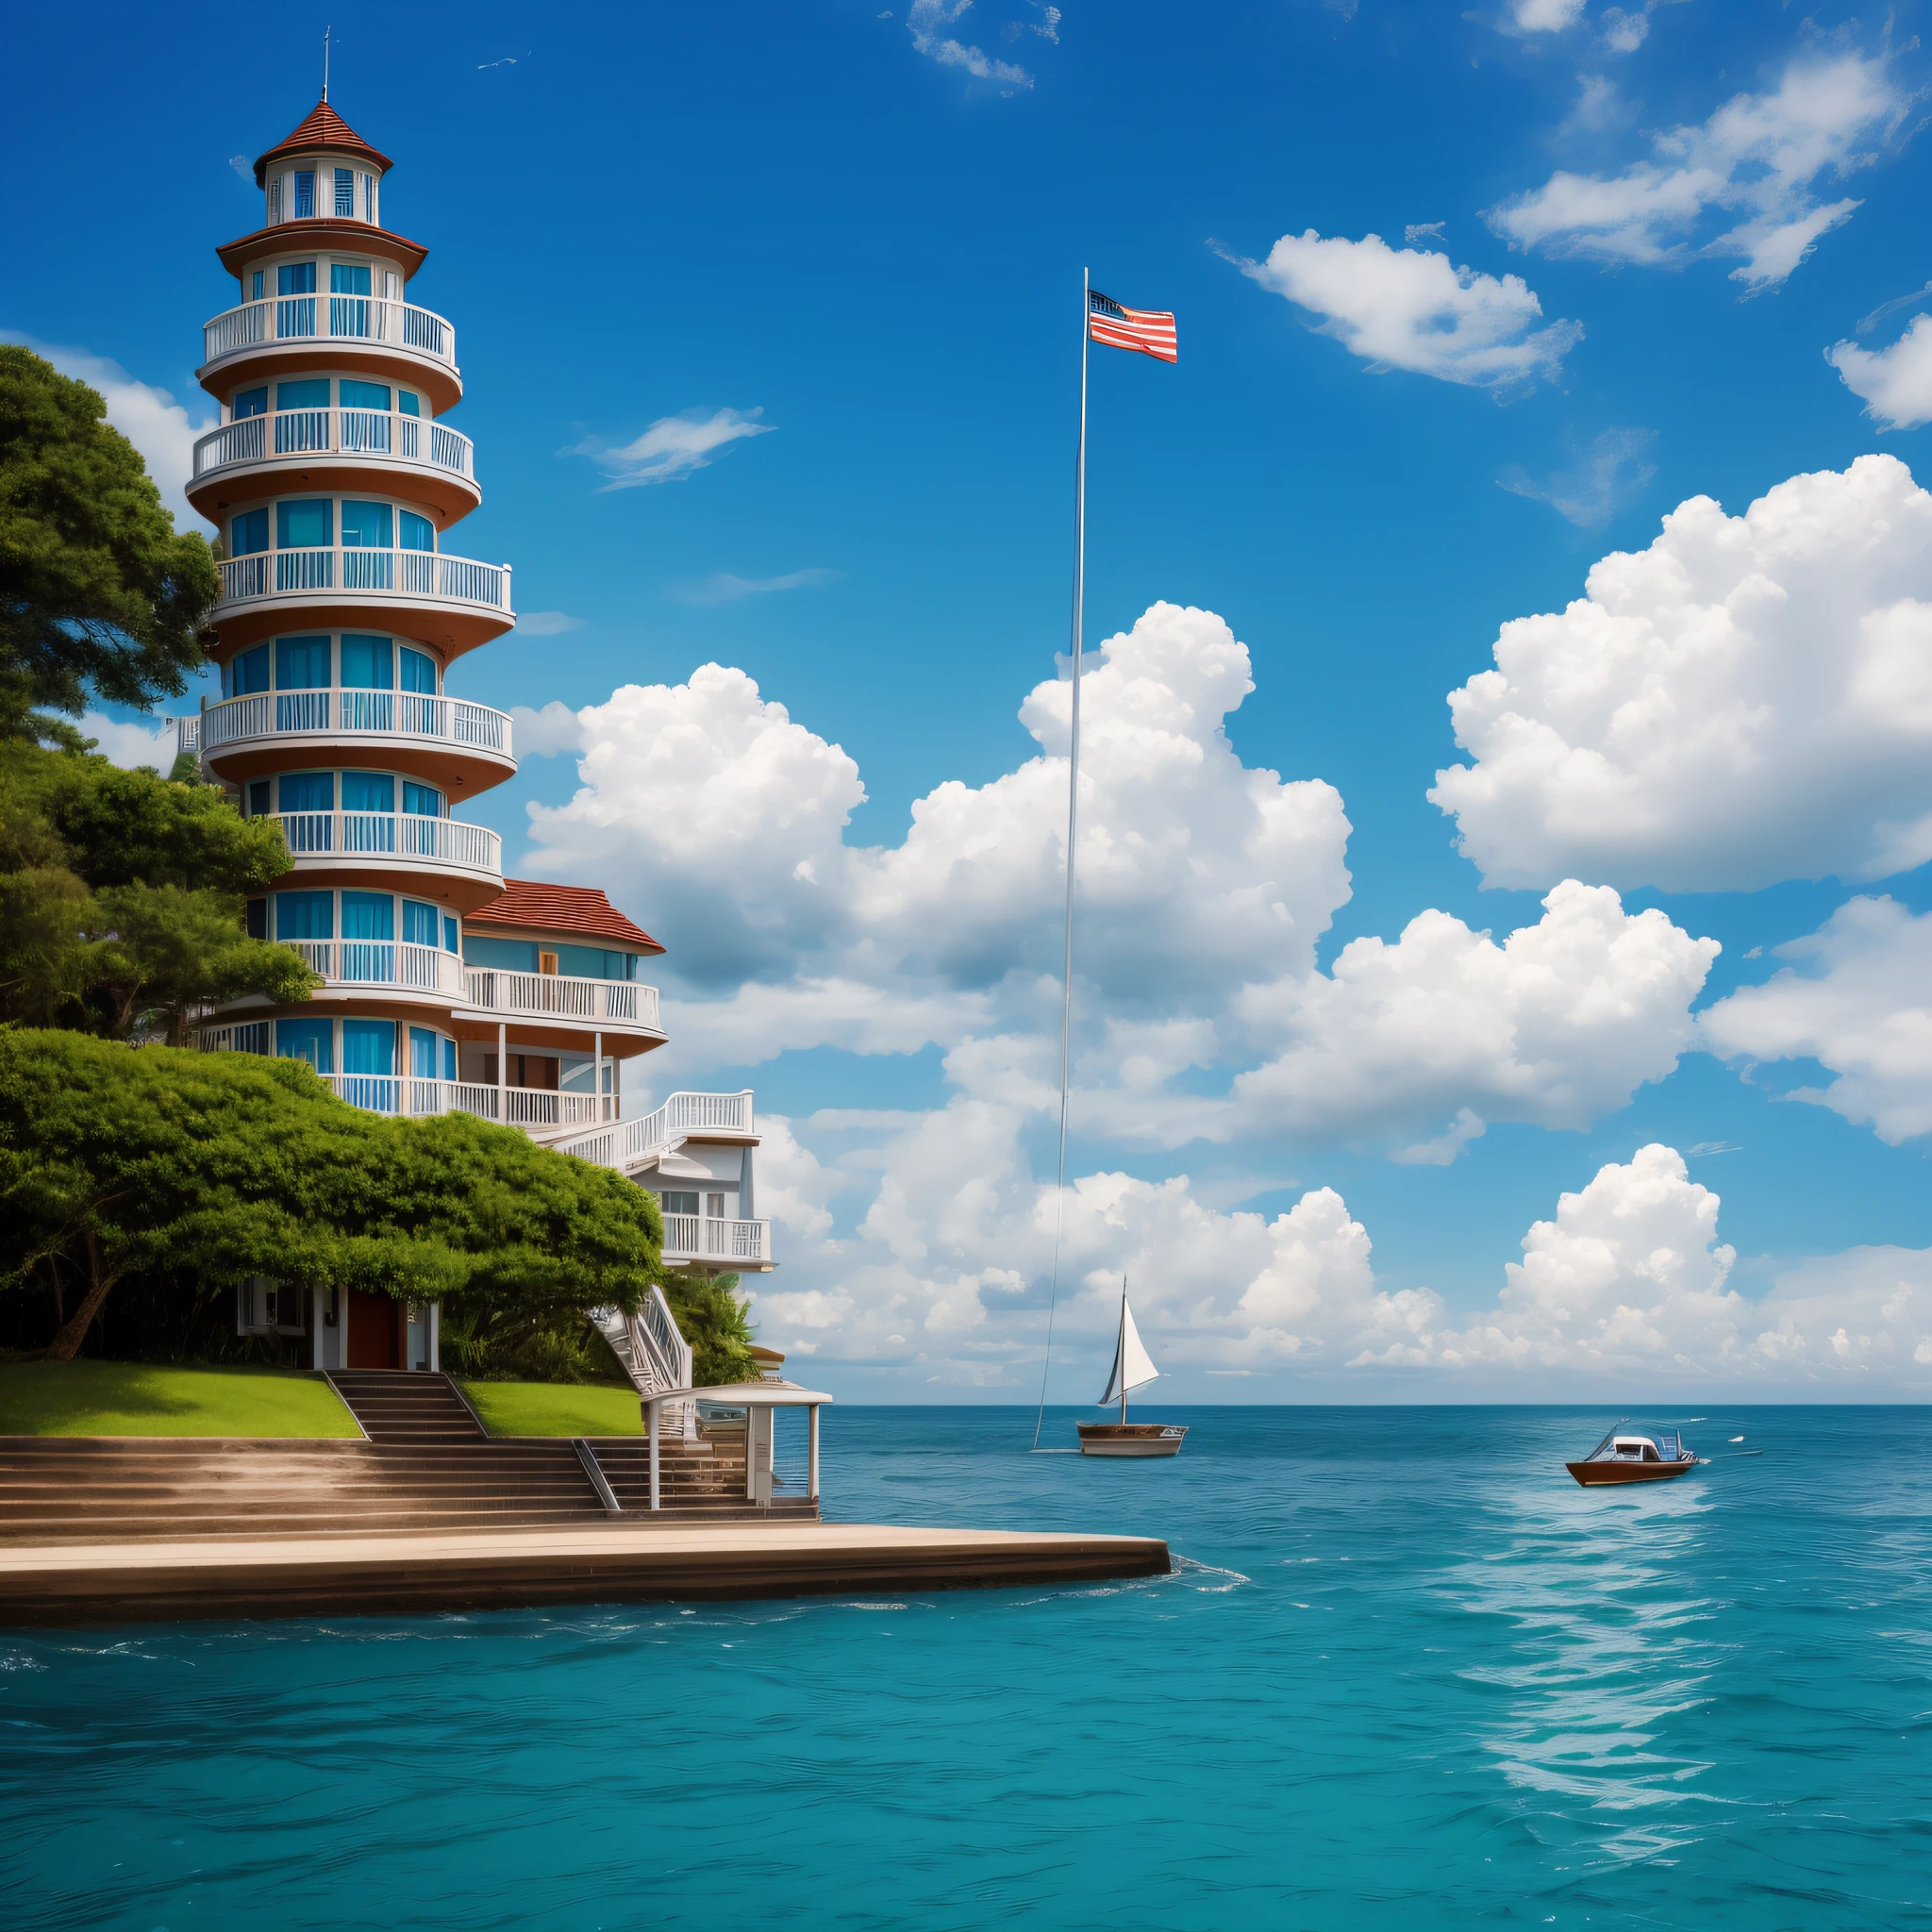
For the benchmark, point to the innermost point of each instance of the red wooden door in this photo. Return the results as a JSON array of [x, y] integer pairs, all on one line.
[[373, 1324]]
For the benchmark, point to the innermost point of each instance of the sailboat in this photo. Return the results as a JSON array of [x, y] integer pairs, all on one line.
[[1133, 1368]]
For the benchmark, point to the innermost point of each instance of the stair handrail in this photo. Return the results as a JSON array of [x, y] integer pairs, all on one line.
[[652, 1352]]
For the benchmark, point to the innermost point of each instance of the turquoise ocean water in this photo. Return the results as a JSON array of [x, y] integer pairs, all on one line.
[[1409, 1675]]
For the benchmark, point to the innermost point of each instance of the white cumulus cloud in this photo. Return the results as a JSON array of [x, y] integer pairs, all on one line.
[[1756, 164], [130, 743], [672, 448], [1748, 700], [1895, 384], [1857, 998], [927, 22], [1414, 309]]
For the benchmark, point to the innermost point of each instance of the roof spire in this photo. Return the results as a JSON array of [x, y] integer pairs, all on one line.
[[325, 32]]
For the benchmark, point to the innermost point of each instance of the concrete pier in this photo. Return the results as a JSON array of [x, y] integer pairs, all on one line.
[[62, 1585]]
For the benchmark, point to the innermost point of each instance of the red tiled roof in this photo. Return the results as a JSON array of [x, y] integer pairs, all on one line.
[[324, 128], [535, 907]]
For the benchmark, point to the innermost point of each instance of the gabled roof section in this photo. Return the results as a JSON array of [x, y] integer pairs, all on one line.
[[323, 128], [579, 911]]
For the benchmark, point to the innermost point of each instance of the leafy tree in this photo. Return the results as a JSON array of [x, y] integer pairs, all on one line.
[[116, 1163], [712, 1318], [121, 897], [97, 585]]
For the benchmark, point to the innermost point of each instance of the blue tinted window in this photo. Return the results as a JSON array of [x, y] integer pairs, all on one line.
[[425, 802], [421, 1052], [369, 1046], [367, 527], [250, 671], [345, 199], [368, 916], [257, 296], [364, 395], [419, 672], [296, 277], [449, 1059], [418, 533], [307, 1040], [506, 955], [301, 663], [258, 794], [249, 531], [348, 279], [307, 523], [311, 393], [305, 916], [305, 206], [368, 791], [420, 923], [251, 402], [406, 402], [591, 962], [308, 792], [452, 942], [368, 663]]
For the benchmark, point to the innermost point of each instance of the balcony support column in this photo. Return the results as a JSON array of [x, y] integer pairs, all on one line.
[[502, 1074], [597, 1039]]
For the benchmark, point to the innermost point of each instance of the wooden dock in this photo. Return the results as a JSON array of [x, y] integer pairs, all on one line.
[[67, 1583]]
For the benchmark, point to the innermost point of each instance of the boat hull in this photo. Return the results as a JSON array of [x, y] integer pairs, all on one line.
[[1130, 1439], [1600, 1474]]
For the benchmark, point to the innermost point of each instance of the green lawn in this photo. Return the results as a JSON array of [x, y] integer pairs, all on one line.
[[555, 1408], [88, 1398]]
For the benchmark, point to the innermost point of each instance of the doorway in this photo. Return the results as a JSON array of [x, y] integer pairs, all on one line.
[[375, 1331]]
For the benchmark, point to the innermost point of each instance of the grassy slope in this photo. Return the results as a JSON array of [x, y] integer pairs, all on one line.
[[554, 1408], [90, 1398]]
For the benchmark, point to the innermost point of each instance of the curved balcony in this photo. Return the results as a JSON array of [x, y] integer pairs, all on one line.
[[561, 997], [382, 965], [387, 840], [451, 742], [311, 331], [453, 601], [356, 450]]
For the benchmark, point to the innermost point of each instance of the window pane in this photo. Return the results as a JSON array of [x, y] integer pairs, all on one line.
[[418, 533], [311, 393], [346, 194], [307, 1040], [369, 198], [249, 531], [258, 918], [308, 792], [368, 791], [420, 923], [258, 793], [425, 802], [369, 1046], [250, 402], [301, 663], [251, 671], [364, 395], [675, 1203], [368, 663], [295, 278], [421, 1052], [307, 523], [419, 673], [408, 404], [451, 941], [367, 527], [449, 1059], [348, 279], [256, 297], [368, 916], [304, 916], [305, 193]]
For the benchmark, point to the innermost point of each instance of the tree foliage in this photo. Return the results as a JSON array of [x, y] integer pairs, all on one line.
[[121, 897], [116, 1163], [712, 1318], [97, 585]]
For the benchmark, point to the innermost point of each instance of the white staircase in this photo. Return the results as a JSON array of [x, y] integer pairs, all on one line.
[[654, 1354]]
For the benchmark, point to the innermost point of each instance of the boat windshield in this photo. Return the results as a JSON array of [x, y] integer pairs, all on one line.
[[1669, 1446], [1603, 1450]]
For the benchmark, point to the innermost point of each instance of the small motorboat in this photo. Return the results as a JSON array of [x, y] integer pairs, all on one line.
[[1627, 1456], [1133, 1368]]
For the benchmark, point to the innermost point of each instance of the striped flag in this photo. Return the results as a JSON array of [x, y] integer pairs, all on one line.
[[1148, 330]]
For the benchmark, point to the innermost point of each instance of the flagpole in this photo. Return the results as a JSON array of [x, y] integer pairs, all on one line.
[[1073, 829]]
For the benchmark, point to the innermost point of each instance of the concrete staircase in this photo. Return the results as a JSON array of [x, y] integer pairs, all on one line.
[[409, 1407]]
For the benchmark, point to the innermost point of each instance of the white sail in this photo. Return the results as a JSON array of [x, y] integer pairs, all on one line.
[[1131, 1354]]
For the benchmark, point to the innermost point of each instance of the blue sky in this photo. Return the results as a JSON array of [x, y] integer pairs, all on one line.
[[854, 235]]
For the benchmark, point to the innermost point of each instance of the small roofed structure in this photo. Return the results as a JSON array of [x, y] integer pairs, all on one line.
[[759, 1401]]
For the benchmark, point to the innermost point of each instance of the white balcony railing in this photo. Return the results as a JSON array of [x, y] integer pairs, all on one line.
[[385, 713], [697, 1237], [391, 835], [395, 573], [628, 1144], [520, 1107], [334, 432], [563, 997], [383, 963], [330, 318]]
